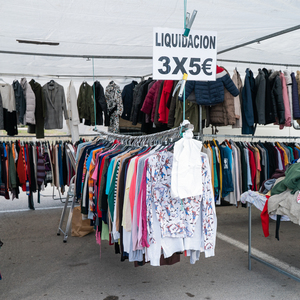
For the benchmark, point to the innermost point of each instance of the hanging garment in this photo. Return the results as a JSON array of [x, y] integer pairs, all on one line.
[[288, 80], [1, 114], [20, 101], [163, 110], [260, 99], [9, 109], [211, 92], [73, 112], [277, 98], [55, 105], [85, 104], [101, 106], [127, 99], [295, 97], [236, 78], [186, 181], [40, 110], [247, 104], [269, 108], [286, 102], [114, 104], [223, 114], [30, 101]]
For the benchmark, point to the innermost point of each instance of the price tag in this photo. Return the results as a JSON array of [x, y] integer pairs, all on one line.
[[174, 55]]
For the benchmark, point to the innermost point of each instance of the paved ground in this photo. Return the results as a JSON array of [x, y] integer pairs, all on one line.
[[36, 264]]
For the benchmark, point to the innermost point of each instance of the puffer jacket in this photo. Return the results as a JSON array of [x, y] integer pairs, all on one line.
[[223, 113], [148, 104], [277, 98], [30, 101], [211, 92], [295, 97]]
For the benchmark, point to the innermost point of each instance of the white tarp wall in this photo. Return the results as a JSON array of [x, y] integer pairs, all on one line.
[[124, 28]]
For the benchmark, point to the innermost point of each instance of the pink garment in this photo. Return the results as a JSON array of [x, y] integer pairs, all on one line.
[[142, 236], [286, 102]]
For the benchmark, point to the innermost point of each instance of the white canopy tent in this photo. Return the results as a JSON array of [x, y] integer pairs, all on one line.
[[124, 29]]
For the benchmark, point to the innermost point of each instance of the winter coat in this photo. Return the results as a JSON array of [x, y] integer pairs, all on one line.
[[298, 82], [127, 99], [148, 105], [222, 114], [277, 98], [191, 111], [211, 92], [137, 116], [55, 103], [295, 96], [101, 105], [286, 103], [236, 78], [20, 101], [166, 93], [113, 97], [73, 112], [260, 87], [269, 108], [134, 98], [30, 101], [247, 105], [38, 128], [85, 104], [288, 80]]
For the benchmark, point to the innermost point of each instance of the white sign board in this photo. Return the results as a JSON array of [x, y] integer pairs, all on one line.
[[174, 54]]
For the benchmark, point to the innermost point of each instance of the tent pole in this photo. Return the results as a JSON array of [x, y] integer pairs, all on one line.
[[266, 37]]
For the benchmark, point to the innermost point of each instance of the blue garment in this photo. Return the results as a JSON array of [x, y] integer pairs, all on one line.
[[247, 103], [226, 160], [60, 167], [211, 92]]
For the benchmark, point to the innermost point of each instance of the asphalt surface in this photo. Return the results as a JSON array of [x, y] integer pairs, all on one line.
[[36, 264]]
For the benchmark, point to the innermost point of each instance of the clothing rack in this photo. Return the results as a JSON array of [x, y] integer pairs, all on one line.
[[128, 139], [250, 136], [251, 256]]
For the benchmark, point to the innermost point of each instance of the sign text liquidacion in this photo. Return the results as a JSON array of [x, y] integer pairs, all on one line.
[[173, 40]]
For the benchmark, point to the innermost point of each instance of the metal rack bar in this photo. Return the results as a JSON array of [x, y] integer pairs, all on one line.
[[67, 76], [257, 63], [251, 136], [263, 38], [251, 256]]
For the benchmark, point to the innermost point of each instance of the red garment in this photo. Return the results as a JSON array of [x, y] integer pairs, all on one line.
[[253, 170], [265, 218], [163, 110], [150, 100], [21, 168]]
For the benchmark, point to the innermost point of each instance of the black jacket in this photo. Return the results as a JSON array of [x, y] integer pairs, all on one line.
[[276, 95], [269, 109], [127, 99], [101, 105]]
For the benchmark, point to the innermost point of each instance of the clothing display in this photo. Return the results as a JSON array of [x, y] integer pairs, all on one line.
[[126, 192], [237, 167], [31, 166]]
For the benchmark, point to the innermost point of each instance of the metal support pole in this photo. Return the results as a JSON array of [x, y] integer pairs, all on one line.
[[249, 236]]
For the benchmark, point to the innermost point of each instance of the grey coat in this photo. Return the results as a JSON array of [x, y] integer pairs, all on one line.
[[55, 102]]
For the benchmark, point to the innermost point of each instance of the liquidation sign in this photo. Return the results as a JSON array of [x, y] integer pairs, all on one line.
[[174, 54]]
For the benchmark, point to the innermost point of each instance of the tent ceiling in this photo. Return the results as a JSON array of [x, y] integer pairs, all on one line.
[[124, 28]]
